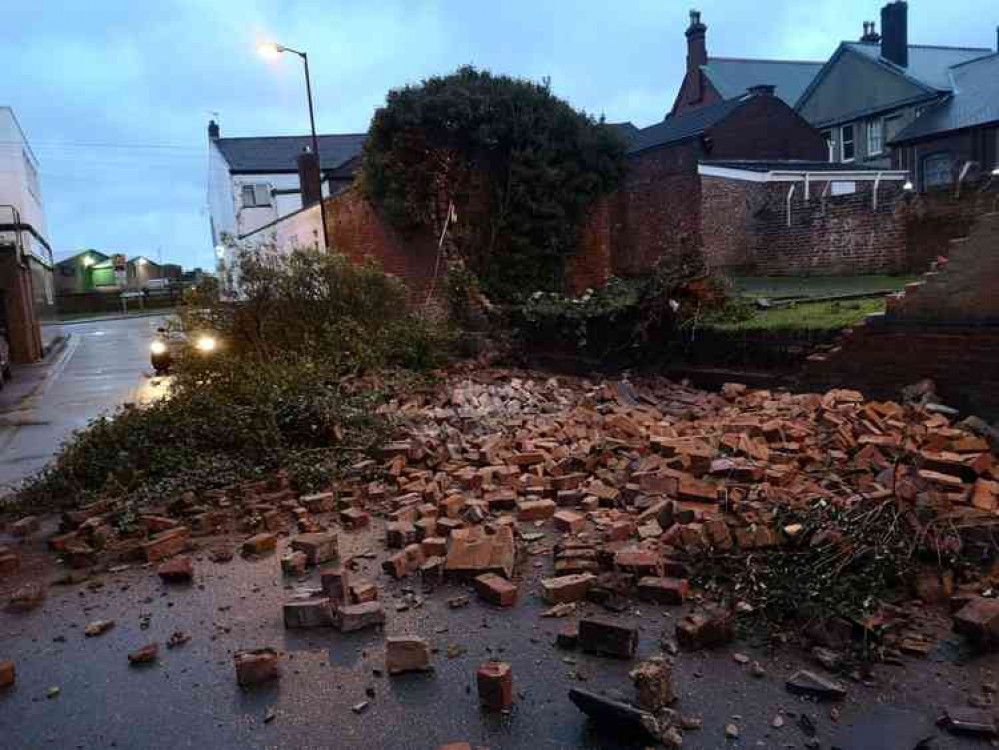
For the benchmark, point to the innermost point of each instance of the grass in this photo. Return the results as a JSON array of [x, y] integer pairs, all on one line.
[[809, 316], [778, 287]]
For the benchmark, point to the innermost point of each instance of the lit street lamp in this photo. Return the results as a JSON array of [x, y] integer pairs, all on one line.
[[272, 51]]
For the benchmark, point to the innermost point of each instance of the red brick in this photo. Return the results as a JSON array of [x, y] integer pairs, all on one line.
[[495, 684], [496, 590]]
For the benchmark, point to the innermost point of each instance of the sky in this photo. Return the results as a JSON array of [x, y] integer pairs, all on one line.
[[115, 96]]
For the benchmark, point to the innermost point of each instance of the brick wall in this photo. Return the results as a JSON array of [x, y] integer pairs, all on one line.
[[356, 229], [590, 267], [829, 235], [727, 207], [945, 327]]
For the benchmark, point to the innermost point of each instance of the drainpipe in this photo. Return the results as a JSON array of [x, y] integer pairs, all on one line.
[[877, 181], [960, 179], [790, 194], [807, 186]]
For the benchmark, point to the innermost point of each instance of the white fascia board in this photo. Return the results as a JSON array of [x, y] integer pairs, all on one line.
[[748, 175]]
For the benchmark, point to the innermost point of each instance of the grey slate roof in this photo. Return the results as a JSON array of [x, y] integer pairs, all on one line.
[[626, 130], [680, 127], [788, 165], [928, 65], [733, 76], [974, 101], [279, 153]]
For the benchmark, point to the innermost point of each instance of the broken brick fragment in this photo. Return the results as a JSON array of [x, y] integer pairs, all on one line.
[[705, 629], [600, 636], [663, 590], [496, 590], [260, 543], [406, 654], [257, 666], [494, 680], [318, 547], [178, 570], [571, 588], [8, 674]]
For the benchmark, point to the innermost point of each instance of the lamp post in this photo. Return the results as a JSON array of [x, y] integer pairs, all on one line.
[[272, 51]]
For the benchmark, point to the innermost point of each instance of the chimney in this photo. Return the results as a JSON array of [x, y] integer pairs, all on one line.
[[762, 89], [895, 33], [213, 130], [309, 180], [697, 53], [870, 35]]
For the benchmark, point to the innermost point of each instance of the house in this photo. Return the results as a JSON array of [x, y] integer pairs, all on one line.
[[710, 80], [253, 182], [87, 271], [27, 295], [872, 90], [957, 137]]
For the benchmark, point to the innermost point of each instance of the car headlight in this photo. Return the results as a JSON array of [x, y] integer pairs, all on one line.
[[158, 347], [206, 344]]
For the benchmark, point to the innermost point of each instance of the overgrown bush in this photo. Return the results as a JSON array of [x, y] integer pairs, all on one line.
[[521, 166], [279, 393]]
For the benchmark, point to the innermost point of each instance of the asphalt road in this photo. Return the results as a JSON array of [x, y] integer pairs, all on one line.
[[190, 699], [102, 365]]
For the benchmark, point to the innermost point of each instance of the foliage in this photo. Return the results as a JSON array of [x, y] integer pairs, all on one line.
[[626, 313], [314, 305], [520, 165], [281, 391]]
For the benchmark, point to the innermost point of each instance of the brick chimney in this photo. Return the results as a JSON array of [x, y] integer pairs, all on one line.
[[213, 130], [697, 54], [309, 180], [895, 33]]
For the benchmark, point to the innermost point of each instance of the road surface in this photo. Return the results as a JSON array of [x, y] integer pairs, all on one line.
[[103, 365]]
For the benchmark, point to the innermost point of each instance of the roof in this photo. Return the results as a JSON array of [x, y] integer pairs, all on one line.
[[280, 153], [733, 76], [928, 65], [627, 130], [687, 125], [788, 165], [974, 101], [73, 258]]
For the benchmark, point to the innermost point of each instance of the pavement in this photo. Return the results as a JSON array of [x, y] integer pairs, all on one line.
[[96, 368]]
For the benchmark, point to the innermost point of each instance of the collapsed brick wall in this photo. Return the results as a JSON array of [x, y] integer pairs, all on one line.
[[356, 229], [935, 217], [945, 328]]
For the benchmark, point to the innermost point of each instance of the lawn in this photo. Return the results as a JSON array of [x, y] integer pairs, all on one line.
[[808, 316], [784, 287]]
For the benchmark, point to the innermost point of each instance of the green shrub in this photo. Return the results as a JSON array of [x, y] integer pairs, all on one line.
[[275, 395]]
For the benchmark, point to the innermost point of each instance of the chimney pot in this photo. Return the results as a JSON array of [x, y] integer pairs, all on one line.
[[762, 89], [213, 130]]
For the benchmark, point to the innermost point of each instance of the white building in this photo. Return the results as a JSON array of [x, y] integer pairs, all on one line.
[[255, 191], [26, 290]]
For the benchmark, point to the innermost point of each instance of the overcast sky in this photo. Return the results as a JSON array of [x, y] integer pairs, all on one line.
[[115, 95]]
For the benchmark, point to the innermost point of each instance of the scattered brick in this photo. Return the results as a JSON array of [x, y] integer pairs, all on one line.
[[8, 674], [259, 544], [496, 590], [257, 666], [495, 684], [608, 638], [178, 570], [359, 616], [405, 654], [318, 548], [308, 613], [571, 588]]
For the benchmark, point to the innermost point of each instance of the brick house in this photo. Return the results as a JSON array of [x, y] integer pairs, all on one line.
[[660, 208]]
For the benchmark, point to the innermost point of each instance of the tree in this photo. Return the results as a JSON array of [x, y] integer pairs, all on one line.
[[520, 165]]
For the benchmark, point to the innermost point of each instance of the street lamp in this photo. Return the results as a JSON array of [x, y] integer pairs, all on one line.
[[272, 51]]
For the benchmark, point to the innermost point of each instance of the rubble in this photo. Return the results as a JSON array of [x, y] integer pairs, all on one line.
[[318, 547], [705, 629], [405, 654], [804, 682], [145, 655], [608, 638], [308, 613], [496, 590], [653, 685], [26, 598], [259, 544], [25, 527], [495, 684], [8, 674], [178, 570], [359, 616], [98, 627], [257, 666]]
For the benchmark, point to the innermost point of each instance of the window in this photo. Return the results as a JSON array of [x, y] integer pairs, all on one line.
[[255, 196], [843, 188], [846, 143], [830, 146], [875, 136], [938, 169]]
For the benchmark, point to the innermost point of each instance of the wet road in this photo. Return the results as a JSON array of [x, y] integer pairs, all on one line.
[[190, 699], [103, 365]]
